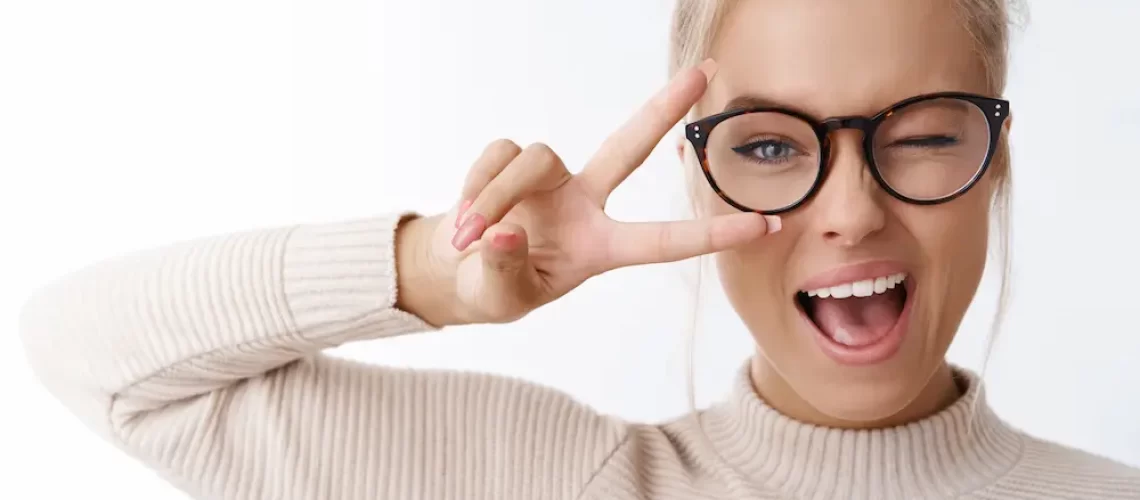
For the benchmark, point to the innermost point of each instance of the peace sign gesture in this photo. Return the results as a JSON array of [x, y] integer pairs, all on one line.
[[529, 231]]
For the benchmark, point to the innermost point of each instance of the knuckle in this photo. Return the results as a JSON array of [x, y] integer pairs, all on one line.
[[505, 265], [503, 147], [663, 241], [478, 177], [706, 241], [657, 111], [542, 155], [495, 157], [490, 202]]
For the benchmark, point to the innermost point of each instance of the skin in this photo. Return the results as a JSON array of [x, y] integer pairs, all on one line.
[[525, 231], [851, 57]]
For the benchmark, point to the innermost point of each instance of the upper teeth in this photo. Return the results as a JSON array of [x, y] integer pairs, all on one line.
[[863, 288]]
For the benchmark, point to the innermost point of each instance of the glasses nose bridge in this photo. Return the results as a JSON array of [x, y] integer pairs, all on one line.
[[860, 123], [829, 126]]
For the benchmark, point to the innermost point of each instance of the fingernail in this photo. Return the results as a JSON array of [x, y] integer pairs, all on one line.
[[504, 241], [774, 223], [462, 210], [469, 232], [709, 68]]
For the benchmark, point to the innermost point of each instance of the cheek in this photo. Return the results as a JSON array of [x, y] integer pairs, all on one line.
[[958, 231], [752, 275], [953, 239], [951, 233], [753, 279]]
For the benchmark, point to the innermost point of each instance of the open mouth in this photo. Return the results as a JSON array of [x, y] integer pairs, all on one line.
[[859, 322]]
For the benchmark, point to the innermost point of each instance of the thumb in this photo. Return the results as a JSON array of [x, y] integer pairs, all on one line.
[[509, 289]]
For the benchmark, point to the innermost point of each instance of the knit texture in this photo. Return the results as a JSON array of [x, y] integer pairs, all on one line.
[[204, 361]]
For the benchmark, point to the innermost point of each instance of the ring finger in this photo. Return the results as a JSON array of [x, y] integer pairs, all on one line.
[[495, 158]]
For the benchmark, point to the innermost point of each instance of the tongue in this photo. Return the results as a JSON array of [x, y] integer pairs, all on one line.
[[858, 321]]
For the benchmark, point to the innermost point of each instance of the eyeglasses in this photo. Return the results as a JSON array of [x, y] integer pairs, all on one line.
[[925, 150]]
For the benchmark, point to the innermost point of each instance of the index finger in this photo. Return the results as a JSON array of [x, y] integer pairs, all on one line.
[[639, 243], [627, 149]]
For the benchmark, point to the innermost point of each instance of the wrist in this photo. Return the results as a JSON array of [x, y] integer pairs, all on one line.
[[423, 286]]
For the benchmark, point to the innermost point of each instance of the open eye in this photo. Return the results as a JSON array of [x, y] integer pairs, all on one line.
[[767, 150]]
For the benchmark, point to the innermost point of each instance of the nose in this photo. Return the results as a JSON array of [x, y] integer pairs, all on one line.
[[848, 206]]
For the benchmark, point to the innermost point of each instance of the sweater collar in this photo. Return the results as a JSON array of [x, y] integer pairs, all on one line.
[[959, 449]]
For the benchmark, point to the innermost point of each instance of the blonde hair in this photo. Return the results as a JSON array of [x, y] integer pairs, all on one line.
[[695, 26]]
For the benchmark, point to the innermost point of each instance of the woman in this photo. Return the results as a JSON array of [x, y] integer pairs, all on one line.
[[851, 247]]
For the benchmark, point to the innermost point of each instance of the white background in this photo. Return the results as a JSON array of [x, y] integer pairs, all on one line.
[[128, 124]]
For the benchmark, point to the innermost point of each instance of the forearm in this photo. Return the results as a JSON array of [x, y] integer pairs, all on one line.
[[171, 323]]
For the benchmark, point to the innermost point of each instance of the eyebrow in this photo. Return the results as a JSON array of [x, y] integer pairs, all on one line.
[[750, 101]]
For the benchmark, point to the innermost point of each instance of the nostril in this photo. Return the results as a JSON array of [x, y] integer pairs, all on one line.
[[841, 239]]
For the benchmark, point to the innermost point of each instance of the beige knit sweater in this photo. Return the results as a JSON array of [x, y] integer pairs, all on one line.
[[203, 360]]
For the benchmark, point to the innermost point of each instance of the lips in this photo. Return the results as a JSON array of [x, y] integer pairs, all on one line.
[[858, 314]]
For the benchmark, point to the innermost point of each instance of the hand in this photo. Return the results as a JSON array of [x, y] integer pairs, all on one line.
[[528, 231]]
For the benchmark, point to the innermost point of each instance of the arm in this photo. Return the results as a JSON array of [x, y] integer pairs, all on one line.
[[203, 360]]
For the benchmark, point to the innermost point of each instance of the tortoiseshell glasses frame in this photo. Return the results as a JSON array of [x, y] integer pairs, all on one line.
[[995, 111]]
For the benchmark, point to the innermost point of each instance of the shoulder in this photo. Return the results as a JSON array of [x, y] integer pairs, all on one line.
[[1052, 470], [1048, 456], [669, 458]]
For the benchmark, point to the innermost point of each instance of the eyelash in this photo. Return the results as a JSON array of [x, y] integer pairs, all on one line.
[[932, 141], [746, 151]]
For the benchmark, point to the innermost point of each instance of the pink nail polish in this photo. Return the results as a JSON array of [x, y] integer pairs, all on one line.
[[469, 232], [462, 210]]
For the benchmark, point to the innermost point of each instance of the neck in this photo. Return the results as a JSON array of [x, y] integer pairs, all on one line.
[[939, 393], [955, 451]]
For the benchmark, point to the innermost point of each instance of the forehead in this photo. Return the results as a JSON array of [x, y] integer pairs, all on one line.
[[841, 57]]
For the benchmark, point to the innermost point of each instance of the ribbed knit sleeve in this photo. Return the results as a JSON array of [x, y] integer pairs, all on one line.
[[204, 360]]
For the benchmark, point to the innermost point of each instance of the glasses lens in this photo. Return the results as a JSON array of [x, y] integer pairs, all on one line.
[[764, 161], [932, 149]]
